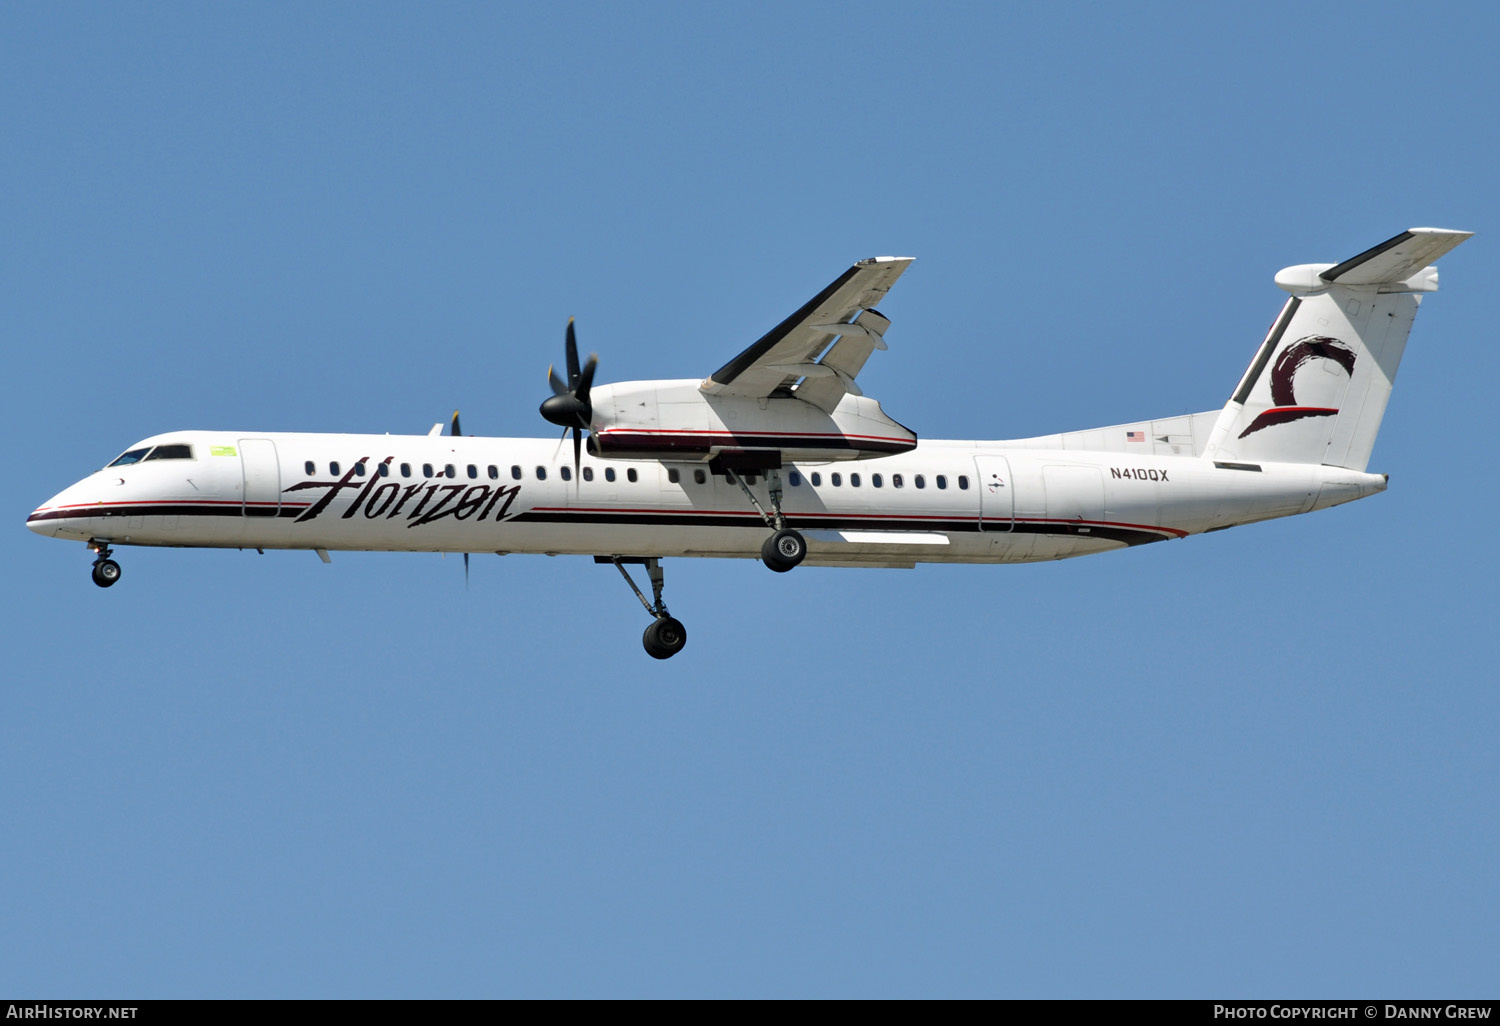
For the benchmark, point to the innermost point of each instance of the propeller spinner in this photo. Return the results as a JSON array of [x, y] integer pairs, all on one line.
[[568, 407]]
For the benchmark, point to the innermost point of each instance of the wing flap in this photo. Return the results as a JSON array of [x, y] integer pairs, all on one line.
[[844, 311]]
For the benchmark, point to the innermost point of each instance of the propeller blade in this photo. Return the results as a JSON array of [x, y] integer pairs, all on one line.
[[466, 571], [572, 347], [455, 432], [586, 382], [568, 407]]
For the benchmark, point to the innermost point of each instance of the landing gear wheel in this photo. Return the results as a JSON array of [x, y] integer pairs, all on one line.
[[664, 638], [666, 635], [783, 550], [106, 572]]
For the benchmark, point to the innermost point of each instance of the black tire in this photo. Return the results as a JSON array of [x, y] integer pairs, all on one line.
[[664, 638], [783, 550], [106, 572]]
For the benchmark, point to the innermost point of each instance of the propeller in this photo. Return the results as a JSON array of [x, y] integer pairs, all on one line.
[[568, 407], [455, 432]]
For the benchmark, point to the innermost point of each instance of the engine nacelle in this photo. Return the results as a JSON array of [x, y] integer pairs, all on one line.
[[676, 420]]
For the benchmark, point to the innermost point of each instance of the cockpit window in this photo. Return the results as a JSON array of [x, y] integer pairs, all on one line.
[[171, 452], [133, 456]]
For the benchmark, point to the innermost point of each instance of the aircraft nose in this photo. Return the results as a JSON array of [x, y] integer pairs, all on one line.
[[47, 519], [41, 522]]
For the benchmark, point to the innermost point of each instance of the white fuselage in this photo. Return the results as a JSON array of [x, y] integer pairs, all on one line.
[[979, 502]]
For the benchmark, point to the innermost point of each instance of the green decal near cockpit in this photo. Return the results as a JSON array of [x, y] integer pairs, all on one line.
[[222, 450]]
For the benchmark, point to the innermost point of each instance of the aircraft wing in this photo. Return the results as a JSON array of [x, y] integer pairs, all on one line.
[[816, 352]]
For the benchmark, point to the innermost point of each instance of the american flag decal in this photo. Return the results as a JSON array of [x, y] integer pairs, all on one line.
[[1135, 436]]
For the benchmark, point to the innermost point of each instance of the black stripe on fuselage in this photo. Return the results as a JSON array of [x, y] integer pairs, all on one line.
[[749, 520], [814, 522], [165, 509], [801, 521]]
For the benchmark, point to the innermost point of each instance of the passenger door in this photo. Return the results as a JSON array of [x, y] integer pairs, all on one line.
[[262, 473], [997, 507]]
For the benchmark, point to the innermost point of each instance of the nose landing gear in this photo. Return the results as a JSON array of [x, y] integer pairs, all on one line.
[[106, 571], [664, 638], [666, 635]]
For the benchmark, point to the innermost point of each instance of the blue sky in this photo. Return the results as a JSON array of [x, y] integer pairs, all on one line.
[[1259, 763]]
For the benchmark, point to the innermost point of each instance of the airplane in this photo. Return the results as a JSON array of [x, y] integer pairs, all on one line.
[[779, 455]]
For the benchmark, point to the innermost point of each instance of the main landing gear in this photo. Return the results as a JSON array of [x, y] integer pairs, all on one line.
[[785, 548], [666, 636], [106, 570]]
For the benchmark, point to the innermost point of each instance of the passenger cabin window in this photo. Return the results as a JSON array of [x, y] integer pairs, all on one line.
[[877, 480], [309, 468], [794, 478], [817, 478], [588, 473], [333, 468], [699, 477], [853, 480], [567, 473], [515, 472], [359, 469], [427, 470], [406, 470], [920, 481], [494, 472], [672, 475], [609, 473], [473, 472], [942, 482], [963, 482], [450, 471], [125, 459], [896, 481], [383, 469], [630, 474], [171, 452], [836, 478], [541, 473]]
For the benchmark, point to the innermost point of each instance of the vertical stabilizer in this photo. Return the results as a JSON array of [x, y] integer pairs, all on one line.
[[1317, 388]]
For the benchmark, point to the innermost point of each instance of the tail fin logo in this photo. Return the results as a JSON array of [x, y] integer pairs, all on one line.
[[1283, 391]]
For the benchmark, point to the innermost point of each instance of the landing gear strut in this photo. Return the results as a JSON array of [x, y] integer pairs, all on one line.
[[785, 548], [666, 635], [106, 571]]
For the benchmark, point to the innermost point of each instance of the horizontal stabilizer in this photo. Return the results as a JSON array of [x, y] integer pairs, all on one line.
[[1395, 260]]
